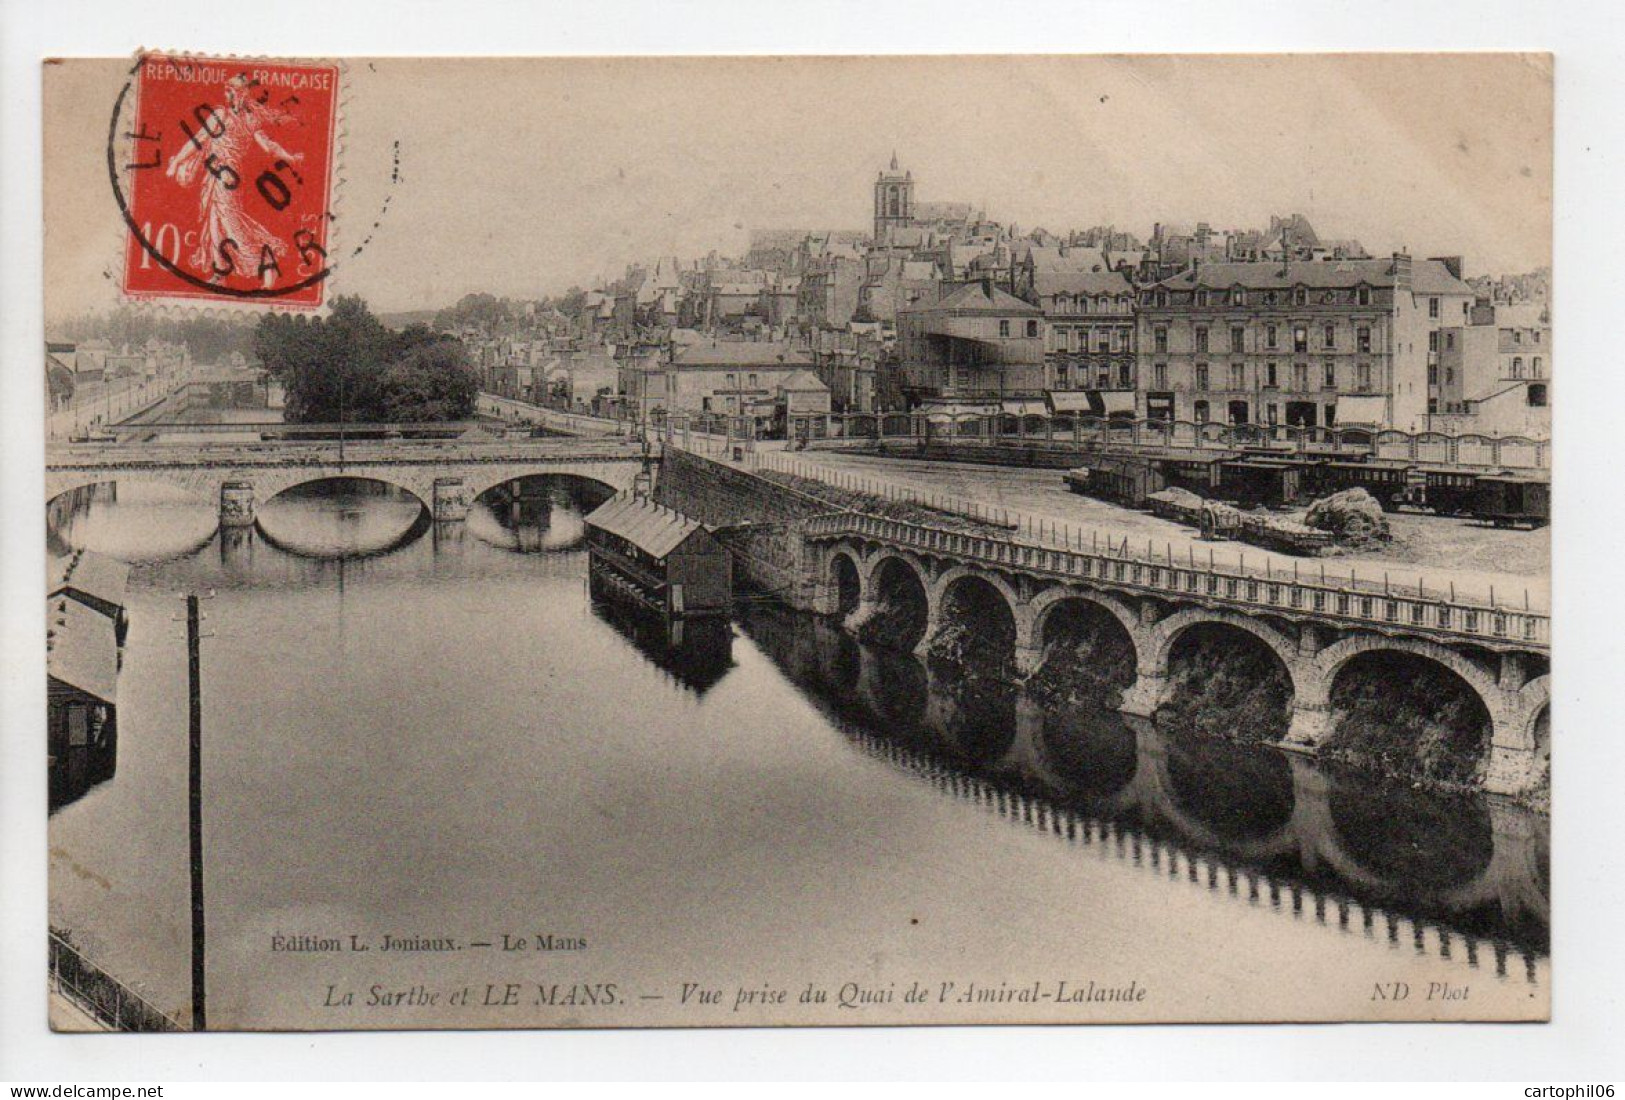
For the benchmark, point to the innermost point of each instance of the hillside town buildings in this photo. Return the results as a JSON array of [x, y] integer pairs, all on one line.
[[939, 308]]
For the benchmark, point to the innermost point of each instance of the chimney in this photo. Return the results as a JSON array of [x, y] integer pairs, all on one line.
[[1401, 271]]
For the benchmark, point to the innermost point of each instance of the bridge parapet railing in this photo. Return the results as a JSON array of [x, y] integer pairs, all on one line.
[[100, 994], [328, 452], [1352, 603]]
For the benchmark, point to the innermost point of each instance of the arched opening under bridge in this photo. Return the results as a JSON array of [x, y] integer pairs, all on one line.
[[537, 513], [901, 605], [1227, 681], [132, 519], [1089, 655], [976, 628], [342, 517], [847, 582], [1407, 713]]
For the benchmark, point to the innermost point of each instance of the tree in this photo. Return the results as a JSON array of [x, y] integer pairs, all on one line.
[[329, 368], [486, 312], [432, 381], [349, 367]]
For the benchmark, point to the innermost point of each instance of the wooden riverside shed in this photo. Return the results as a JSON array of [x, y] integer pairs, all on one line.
[[97, 582], [659, 558], [81, 690]]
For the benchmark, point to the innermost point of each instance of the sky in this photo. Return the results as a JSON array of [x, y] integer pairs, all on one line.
[[521, 177]]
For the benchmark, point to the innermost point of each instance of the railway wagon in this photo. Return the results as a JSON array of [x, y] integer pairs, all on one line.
[[1443, 490], [1255, 481], [1197, 471], [1387, 481], [1119, 478], [1510, 500]]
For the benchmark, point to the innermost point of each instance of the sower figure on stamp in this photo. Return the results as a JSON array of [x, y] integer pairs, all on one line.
[[227, 232]]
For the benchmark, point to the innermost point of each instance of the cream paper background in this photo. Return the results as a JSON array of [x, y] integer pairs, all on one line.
[[1514, 231]]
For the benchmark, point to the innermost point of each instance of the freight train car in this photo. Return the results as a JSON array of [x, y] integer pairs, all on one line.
[[1387, 481], [1254, 481], [1509, 500]]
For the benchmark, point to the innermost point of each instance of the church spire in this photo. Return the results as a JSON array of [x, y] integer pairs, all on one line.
[[894, 160]]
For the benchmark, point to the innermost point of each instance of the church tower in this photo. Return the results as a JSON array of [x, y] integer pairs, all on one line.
[[894, 201]]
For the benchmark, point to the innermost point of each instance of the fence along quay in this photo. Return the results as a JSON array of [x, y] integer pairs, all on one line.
[[1349, 602]]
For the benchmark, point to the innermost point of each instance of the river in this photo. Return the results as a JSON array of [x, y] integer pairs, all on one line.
[[438, 736]]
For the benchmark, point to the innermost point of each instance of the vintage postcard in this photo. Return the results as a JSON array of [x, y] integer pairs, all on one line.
[[709, 542]]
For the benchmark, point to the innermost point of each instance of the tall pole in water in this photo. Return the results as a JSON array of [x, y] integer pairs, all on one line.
[[342, 414], [195, 808]]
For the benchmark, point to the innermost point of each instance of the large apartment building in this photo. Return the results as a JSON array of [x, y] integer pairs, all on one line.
[[971, 349], [1089, 339], [1306, 343]]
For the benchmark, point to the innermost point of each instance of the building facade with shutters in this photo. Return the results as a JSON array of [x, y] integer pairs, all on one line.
[[1320, 343]]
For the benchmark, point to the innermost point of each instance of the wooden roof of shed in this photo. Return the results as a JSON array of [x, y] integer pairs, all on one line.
[[652, 528], [95, 575], [81, 648]]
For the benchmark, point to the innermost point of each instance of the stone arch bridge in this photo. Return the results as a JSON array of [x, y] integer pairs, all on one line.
[[445, 478], [1315, 628]]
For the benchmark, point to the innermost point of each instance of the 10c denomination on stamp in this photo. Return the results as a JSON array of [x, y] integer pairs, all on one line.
[[223, 171]]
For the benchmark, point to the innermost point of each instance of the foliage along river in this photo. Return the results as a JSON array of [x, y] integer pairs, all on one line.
[[439, 736]]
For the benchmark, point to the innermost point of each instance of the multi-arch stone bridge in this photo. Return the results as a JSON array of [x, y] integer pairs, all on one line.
[[446, 477], [1314, 628]]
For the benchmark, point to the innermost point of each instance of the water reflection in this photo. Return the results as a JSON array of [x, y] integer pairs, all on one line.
[[1469, 866], [342, 518], [535, 515], [697, 653], [139, 522], [345, 687]]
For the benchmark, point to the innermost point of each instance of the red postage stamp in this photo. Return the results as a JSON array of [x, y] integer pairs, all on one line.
[[223, 170]]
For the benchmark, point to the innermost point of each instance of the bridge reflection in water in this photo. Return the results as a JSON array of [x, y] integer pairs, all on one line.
[[1456, 877], [1251, 827], [333, 518]]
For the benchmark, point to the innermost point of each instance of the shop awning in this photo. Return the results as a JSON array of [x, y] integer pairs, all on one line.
[[1074, 401], [1117, 401], [1026, 407], [1366, 410]]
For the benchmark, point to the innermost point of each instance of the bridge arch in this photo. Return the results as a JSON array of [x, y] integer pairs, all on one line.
[[1050, 598], [1247, 689], [479, 480], [1316, 687], [955, 574], [1533, 703], [268, 488], [898, 587], [1159, 642], [847, 579], [984, 617], [878, 559], [205, 488], [1446, 717]]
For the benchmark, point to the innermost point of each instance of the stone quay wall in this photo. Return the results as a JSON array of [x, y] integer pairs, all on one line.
[[760, 521]]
